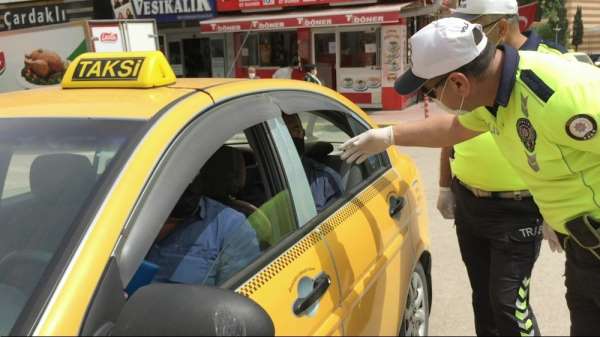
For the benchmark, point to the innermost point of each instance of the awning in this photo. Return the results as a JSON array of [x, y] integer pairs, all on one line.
[[378, 14]]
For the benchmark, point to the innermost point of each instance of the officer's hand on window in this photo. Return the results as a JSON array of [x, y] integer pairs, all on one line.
[[446, 203], [552, 238], [372, 142]]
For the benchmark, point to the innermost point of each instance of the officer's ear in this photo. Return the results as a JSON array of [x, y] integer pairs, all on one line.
[[460, 84], [503, 29]]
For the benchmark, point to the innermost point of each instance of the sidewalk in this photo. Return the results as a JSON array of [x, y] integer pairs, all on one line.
[[412, 113]]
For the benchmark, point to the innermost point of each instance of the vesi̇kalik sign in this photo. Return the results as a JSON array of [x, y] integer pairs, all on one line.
[[166, 10]]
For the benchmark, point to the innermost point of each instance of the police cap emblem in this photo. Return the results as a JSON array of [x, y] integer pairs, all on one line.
[[527, 134], [582, 127]]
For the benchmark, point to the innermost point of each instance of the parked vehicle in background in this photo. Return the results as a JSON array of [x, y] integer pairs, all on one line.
[[580, 57]]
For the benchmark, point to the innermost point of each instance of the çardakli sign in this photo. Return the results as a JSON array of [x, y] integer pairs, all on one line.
[[164, 10], [25, 17]]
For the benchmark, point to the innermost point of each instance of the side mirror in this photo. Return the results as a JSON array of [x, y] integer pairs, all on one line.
[[184, 310]]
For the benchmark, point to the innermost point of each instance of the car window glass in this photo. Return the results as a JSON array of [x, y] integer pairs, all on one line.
[[226, 219], [48, 176], [374, 164], [329, 177]]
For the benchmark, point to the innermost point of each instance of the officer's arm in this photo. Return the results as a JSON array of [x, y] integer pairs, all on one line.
[[438, 131], [445, 170], [574, 119]]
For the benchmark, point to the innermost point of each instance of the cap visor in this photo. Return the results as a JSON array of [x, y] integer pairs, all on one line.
[[408, 83], [465, 16]]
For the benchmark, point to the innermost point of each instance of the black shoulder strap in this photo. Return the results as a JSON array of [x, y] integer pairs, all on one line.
[[537, 85]]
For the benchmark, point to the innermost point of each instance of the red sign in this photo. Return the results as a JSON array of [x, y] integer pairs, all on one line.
[[109, 37], [238, 5], [528, 15], [302, 22], [2, 63]]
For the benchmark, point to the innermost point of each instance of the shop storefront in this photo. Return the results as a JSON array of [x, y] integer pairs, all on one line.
[[190, 53], [359, 50]]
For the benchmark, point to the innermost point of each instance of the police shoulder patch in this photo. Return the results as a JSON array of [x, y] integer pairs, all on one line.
[[537, 85], [582, 127]]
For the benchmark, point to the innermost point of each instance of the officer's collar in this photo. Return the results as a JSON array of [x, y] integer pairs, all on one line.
[[510, 63], [533, 41]]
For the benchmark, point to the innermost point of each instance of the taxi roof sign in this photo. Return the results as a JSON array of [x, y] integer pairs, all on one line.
[[119, 70]]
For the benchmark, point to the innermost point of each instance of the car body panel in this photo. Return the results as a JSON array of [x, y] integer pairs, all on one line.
[[108, 103]]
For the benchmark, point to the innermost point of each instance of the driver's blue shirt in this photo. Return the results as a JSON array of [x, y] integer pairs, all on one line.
[[208, 248], [325, 183]]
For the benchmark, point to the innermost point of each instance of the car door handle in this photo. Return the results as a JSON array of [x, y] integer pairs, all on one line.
[[396, 205], [320, 287]]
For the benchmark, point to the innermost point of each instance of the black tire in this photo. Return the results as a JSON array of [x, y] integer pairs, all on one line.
[[415, 321]]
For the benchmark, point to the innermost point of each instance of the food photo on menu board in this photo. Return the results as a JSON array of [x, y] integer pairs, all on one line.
[[361, 83]]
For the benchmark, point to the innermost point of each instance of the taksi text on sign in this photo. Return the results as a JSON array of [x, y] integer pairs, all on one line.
[[125, 69]]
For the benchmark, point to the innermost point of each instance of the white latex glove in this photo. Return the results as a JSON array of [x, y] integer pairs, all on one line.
[[553, 241], [363, 146], [446, 203]]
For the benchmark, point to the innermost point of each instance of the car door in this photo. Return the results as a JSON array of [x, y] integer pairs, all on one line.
[[293, 276], [367, 227]]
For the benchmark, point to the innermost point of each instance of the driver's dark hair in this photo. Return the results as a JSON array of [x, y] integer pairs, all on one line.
[[478, 67]]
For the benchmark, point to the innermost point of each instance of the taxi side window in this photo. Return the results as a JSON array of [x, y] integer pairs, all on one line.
[[330, 177], [228, 217]]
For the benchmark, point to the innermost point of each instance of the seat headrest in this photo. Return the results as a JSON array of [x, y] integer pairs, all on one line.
[[224, 174], [61, 175], [318, 151]]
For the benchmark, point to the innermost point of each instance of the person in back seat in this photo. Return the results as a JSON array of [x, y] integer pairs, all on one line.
[[208, 246], [325, 183]]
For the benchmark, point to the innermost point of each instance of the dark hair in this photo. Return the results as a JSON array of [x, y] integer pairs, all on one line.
[[295, 62], [309, 67], [481, 63]]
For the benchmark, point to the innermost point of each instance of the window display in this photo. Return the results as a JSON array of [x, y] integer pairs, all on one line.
[[272, 49], [360, 49]]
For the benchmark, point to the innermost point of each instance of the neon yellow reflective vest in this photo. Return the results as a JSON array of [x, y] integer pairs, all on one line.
[[478, 162], [545, 123]]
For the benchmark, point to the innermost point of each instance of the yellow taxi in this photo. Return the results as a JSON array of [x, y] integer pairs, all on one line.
[[135, 203]]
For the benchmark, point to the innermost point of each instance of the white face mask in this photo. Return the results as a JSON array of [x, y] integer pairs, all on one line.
[[445, 108], [252, 76]]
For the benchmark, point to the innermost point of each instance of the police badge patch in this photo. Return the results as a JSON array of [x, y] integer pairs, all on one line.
[[582, 127], [527, 134]]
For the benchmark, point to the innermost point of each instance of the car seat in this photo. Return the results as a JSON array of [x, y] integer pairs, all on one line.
[[60, 184], [351, 174], [222, 178]]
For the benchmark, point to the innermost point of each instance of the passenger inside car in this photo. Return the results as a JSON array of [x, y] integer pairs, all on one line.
[[206, 241], [325, 183]]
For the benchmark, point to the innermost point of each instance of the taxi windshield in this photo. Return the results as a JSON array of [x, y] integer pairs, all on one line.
[[50, 171]]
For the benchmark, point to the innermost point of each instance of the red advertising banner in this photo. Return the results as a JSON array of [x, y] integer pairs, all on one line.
[[302, 22], [528, 14], [238, 5], [2, 63]]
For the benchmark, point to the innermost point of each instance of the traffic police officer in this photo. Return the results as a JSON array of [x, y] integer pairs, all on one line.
[[492, 208], [543, 112]]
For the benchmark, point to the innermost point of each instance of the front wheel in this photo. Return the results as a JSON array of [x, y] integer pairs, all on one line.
[[416, 313]]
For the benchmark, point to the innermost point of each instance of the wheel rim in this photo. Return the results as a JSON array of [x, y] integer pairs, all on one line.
[[415, 320]]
